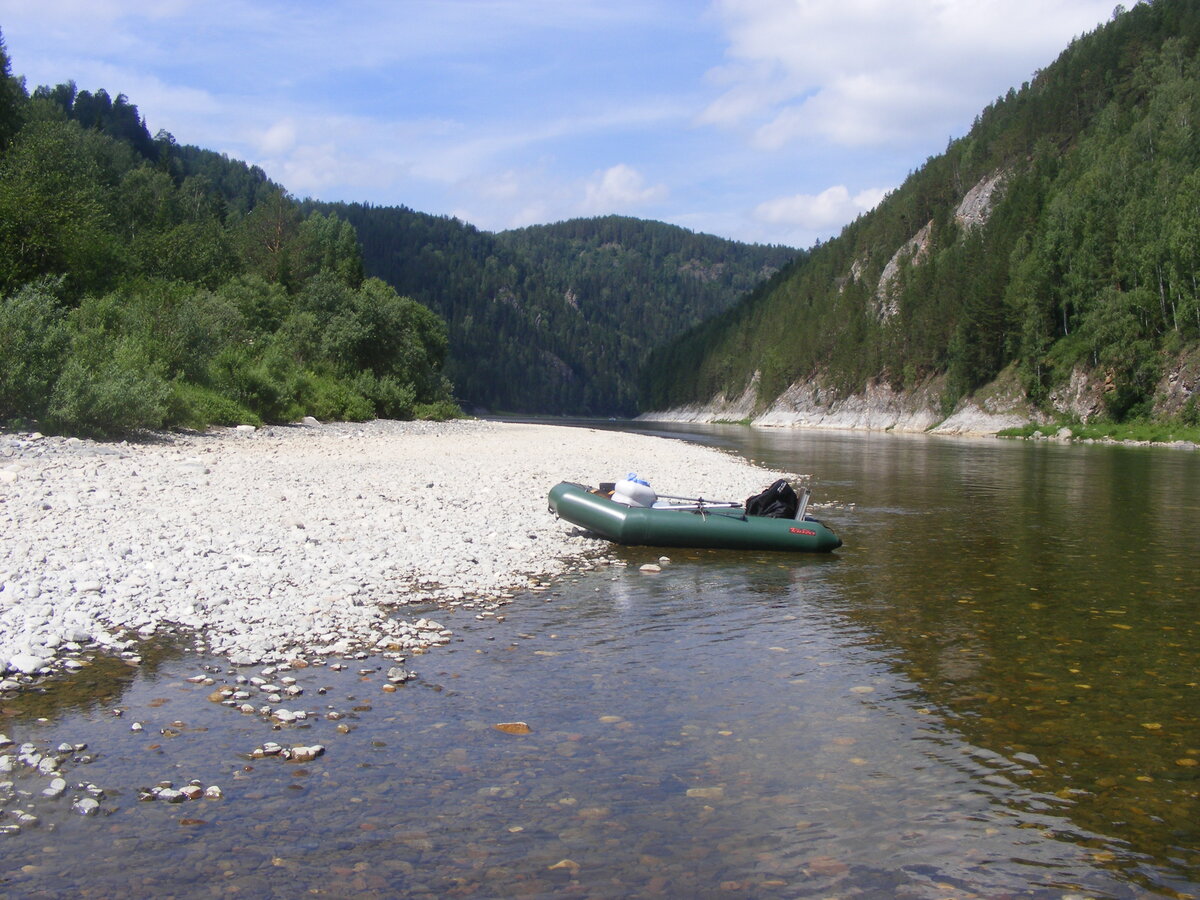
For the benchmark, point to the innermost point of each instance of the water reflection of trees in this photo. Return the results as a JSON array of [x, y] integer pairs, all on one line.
[[1044, 598], [100, 684], [1042, 595]]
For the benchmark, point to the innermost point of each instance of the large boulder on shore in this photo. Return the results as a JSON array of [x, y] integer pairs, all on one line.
[[26, 663]]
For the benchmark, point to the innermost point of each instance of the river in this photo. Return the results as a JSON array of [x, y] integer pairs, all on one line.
[[990, 691]]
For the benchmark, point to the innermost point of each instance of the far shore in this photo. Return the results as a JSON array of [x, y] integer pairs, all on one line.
[[287, 541], [972, 423]]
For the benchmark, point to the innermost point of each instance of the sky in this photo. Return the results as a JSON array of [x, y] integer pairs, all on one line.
[[765, 121]]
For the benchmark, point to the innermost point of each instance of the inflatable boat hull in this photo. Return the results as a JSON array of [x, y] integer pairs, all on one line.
[[728, 529]]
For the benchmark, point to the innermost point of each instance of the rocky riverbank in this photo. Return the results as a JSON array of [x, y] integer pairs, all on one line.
[[877, 407], [280, 542], [998, 406]]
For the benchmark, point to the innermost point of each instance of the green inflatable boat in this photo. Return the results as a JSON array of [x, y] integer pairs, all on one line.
[[691, 523]]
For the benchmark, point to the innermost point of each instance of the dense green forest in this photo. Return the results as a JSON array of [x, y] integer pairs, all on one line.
[[1089, 259], [555, 318], [148, 284], [145, 284]]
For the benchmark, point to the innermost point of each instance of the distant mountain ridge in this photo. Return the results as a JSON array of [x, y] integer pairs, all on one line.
[[1056, 247], [558, 318]]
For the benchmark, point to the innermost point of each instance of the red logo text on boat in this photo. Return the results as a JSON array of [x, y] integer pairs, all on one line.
[[803, 531]]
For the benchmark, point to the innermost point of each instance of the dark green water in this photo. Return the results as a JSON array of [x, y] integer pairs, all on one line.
[[990, 691]]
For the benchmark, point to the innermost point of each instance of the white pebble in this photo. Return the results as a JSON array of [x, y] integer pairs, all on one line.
[[57, 788]]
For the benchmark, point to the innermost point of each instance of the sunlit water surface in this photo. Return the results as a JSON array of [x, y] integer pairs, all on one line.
[[989, 691]]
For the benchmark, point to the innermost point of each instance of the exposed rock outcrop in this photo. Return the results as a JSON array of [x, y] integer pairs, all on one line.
[[1081, 397], [912, 251], [1179, 387], [976, 206], [993, 408], [720, 408], [878, 407], [972, 212]]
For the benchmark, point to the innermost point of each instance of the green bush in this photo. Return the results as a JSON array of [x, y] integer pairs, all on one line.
[[263, 305], [267, 382], [1190, 414], [196, 406], [330, 398], [439, 411], [197, 252], [183, 326], [392, 399], [33, 343], [109, 385]]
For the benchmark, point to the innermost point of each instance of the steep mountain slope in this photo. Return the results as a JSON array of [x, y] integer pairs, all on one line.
[[557, 318], [1057, 243]]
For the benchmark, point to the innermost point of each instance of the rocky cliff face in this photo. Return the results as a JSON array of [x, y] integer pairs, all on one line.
[[972, 212], [878, 407], [911, 251], [993, 408], [1082, 397], [976, 206]]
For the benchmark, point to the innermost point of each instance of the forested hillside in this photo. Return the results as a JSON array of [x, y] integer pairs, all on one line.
[[1058, 240], [555, 318], [144, 284]]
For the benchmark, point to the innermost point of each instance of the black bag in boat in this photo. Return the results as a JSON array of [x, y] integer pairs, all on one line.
[[778, 501]]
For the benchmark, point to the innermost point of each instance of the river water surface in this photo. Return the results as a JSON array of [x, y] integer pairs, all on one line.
[[990, 691]]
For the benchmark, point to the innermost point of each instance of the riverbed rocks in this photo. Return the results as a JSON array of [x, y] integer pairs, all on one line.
[[167, 792], [286, 542], [26, 664], [33, 774], [399, 675]]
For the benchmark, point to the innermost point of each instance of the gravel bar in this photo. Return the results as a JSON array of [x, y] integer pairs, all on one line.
[[276, 542]]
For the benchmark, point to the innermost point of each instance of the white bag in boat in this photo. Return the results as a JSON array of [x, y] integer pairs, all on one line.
[[633, 491]]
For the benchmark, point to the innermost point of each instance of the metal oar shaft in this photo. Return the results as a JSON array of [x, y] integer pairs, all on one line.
[[700, 500]]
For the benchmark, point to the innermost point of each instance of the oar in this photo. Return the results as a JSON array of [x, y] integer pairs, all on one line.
[[699, 502]]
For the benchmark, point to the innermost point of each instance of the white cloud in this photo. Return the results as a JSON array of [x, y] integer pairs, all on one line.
[[863, 109], [620, 189], [538, 193], [507, 112], [871, 72], [309, 168], [457, 151], [278, 138], [821, 212], [515, 198], [503, 186]]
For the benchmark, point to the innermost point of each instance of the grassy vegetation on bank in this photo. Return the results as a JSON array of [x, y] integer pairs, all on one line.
[[1139, 431]]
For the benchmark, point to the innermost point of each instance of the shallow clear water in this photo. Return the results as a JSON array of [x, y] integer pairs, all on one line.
[[990, 691]]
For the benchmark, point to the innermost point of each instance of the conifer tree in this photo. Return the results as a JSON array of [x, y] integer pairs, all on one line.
[[12, 99]]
